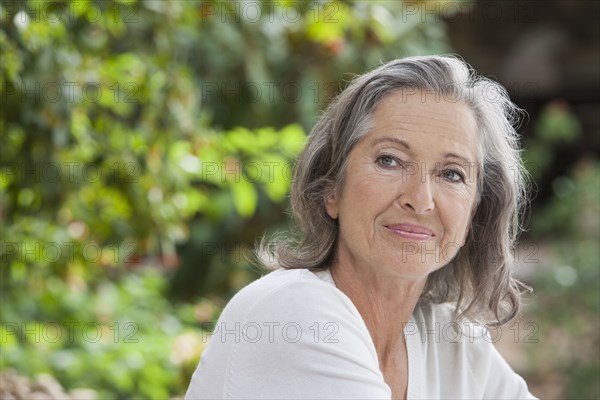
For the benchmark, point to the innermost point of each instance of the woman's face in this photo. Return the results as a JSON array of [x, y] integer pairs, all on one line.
[[410, 187]]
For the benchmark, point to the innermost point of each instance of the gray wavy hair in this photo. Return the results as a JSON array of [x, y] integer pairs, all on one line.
[[479, 278]]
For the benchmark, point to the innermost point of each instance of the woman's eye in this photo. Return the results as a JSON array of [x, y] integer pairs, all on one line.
[[453, 175], [387, 161]]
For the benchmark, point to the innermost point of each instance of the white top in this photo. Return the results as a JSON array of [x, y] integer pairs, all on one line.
[[293, 334]]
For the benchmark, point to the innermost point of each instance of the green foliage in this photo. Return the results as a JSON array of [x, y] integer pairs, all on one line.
[[122, 339]]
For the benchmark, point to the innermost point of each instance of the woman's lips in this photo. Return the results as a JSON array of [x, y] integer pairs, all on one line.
[[413, 232]]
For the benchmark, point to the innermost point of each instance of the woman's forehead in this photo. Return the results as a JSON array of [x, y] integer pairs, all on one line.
[[399, 113]]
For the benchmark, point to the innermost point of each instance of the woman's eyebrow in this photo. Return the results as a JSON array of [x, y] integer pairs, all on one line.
[[459, 157], [390, 139]]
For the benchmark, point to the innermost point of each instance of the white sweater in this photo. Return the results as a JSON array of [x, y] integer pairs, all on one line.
[[293, 334]]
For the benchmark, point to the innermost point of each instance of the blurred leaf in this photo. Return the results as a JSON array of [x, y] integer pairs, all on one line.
[[556, 123], [244, 198]]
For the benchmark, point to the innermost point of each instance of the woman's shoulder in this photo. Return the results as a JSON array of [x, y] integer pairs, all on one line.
[[289, 291], [289, 334], [301, 308], [284, 280], [283, 277]]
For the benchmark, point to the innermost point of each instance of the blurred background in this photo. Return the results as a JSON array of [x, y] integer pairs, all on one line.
[[146, 145]]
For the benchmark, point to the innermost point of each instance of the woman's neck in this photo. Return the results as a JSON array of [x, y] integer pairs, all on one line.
[[385, 303]]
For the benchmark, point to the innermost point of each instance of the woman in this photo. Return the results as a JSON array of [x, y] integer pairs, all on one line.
[[407, 199]]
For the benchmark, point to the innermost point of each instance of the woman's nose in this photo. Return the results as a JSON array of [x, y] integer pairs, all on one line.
[[417, 194]]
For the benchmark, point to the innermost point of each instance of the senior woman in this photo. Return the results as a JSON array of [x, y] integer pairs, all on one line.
[[407, 199]]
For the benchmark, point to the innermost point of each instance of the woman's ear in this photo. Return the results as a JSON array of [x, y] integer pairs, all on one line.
[[331, 204]]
